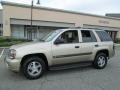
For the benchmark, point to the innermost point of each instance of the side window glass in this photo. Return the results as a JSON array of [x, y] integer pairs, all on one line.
[[104, 36], [70, 36], [88, 36]]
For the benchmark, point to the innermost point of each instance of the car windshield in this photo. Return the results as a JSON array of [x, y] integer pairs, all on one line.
[[50, 36]]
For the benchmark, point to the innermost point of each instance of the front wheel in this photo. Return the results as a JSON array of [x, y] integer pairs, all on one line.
[[100, 61], [33, 68]]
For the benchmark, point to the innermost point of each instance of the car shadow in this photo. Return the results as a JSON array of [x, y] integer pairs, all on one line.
[[69, 71]]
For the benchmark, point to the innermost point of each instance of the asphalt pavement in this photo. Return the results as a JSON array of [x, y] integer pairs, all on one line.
[[84, 78]]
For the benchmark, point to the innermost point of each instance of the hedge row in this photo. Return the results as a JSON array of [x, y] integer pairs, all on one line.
[[5, 41], [117, 40]]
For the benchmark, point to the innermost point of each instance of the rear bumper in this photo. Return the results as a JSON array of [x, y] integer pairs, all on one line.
[[12, 64]]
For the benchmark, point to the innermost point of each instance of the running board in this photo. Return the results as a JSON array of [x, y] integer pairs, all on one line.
[[69, 66]]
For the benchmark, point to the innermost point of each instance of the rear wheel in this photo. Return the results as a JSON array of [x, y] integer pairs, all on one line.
[[100, 61], [33, 67]]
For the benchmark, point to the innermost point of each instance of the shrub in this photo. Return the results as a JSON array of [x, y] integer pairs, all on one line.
[[8, 41], [117, 40]]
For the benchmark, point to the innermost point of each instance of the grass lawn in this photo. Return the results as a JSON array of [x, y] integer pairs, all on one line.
[[6, 42]]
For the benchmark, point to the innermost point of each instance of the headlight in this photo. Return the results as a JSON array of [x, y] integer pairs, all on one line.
[[12, 54]]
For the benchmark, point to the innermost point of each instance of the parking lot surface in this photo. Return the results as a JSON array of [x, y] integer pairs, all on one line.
[[83, 78]]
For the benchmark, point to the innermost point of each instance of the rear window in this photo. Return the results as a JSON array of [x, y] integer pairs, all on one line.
[[104, 36]]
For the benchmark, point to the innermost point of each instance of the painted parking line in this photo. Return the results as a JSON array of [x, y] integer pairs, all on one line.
[[2, 52]]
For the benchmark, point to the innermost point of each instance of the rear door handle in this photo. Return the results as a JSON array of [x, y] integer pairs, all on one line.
[[77, 46]]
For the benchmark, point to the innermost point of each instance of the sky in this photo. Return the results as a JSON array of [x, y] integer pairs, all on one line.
[[98, 7]]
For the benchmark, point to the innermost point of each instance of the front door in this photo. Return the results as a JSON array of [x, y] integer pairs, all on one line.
[[68, 50]]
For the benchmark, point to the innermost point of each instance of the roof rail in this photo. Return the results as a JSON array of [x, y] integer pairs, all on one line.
[[75, 27]]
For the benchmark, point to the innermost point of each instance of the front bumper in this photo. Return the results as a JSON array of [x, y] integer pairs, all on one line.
[[12, 64]]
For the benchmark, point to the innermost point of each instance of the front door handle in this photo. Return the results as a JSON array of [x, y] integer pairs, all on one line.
[[96, 45], [77, 46]]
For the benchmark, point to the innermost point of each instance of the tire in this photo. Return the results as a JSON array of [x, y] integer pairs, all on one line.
[[33, 67], [100, 61]]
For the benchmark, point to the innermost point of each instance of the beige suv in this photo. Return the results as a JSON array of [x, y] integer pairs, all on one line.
[[63, 48]]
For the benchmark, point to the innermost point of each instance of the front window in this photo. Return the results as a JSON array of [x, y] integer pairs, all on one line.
[[67, 37]]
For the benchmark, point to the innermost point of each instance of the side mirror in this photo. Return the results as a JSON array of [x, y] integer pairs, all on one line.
[[58, 41]]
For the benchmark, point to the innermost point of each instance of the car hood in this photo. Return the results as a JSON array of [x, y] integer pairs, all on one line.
[[29, 44]]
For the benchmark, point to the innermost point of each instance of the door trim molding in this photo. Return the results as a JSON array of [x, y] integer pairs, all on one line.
[[71, 55]]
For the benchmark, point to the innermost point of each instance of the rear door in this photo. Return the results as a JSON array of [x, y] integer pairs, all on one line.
[[88, 44]]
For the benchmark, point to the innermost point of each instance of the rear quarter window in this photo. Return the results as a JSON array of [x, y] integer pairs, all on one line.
[[104, 36]]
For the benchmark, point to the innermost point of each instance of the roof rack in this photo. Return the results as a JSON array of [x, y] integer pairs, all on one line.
[[75, 27]]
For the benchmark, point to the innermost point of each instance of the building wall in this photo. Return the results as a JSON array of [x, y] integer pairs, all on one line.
[[1, 23], [1, 16], [118, 34], [22, 12]]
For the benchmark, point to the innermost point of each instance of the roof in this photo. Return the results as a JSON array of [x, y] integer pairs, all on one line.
[[117, 15], [86, 29], [57, 10]]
